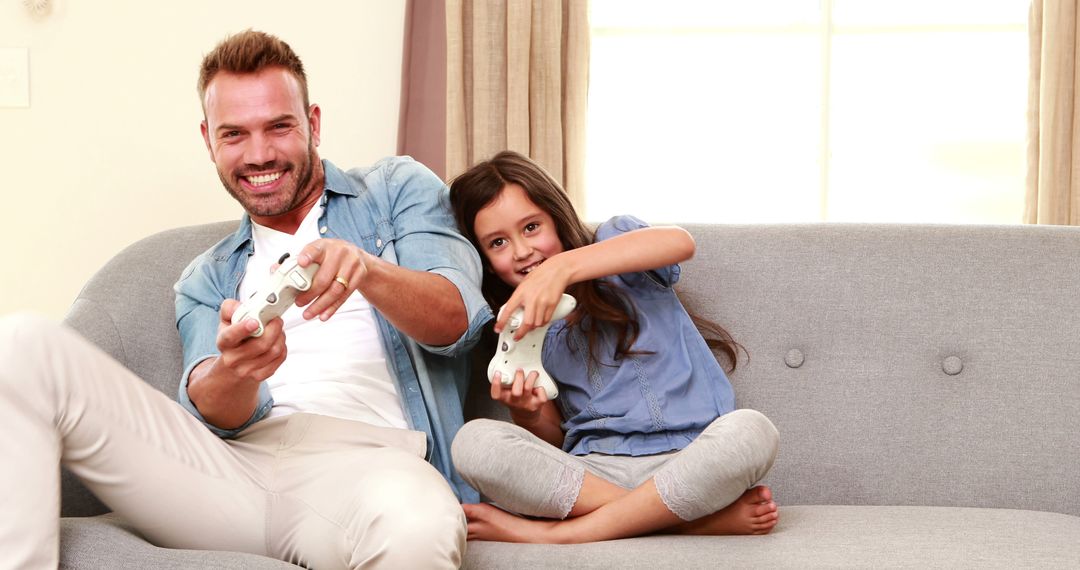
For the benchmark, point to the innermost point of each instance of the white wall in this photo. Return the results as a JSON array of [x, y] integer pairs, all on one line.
[[109, 150]]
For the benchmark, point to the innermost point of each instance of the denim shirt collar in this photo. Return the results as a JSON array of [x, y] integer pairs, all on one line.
[[336, 182]]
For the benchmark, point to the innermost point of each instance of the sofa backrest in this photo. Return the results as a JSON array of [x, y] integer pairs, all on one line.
[[903, 365], [127, 309]]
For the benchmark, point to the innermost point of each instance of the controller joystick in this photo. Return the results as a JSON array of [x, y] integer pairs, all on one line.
[[277, 294], [525, 354]]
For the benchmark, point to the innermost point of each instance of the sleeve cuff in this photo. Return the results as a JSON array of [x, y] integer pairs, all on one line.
[[266, 401]]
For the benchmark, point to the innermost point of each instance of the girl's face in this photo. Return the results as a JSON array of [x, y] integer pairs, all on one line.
[[515, 235]]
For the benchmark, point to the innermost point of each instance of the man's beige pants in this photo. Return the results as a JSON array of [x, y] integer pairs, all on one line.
[[316, 491]]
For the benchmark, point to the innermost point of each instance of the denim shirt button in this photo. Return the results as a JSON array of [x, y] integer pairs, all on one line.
[[378, 243], [322, 230]]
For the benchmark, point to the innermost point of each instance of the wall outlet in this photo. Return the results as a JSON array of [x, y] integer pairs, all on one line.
[[14, 77]]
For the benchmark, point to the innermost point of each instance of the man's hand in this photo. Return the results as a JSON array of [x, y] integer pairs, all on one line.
[[342, 269], [225, 389], [247, 359], [422, 305]]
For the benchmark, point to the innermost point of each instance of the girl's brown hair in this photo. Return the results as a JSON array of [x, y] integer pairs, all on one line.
[[600, 305]]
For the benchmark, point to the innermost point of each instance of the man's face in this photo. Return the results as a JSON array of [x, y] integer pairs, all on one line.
[[263, 141]]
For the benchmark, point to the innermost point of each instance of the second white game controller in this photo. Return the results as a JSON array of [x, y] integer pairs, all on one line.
[[525, 354], [276, 295]]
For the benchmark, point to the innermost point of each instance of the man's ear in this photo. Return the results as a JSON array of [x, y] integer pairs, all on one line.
[[206, 138], [314, 122]]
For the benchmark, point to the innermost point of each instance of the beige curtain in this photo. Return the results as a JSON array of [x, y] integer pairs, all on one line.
[[422, 122], [1053, 179], [517, 78]]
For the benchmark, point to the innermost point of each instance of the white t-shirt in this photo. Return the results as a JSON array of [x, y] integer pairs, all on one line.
[[333, 368]]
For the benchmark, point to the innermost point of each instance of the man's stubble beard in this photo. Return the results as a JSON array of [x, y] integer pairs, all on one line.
[[283, 201]]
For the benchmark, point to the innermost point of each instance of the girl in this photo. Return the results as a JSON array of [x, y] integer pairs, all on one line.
[[642, 437]]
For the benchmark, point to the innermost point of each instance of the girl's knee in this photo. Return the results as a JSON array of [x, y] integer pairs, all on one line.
[[755, 429], [757, 422], [475, 442]]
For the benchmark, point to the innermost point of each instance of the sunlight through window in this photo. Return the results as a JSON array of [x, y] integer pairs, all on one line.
[[808, 110]]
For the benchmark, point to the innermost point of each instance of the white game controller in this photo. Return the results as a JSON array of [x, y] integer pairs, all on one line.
[[525, 354], [277, 294]]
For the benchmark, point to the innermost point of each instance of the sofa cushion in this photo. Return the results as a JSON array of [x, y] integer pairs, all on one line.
[[106, 542], [828, 537]]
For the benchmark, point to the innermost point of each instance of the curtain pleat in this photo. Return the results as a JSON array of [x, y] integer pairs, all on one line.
[[517, 78], [1053, 174], [422, 122]]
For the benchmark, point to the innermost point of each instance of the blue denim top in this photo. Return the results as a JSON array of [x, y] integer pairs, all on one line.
[[399, 211], [646, 403]]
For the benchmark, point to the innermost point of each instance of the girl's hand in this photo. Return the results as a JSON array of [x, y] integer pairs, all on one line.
[[523, 398], [538, 294]]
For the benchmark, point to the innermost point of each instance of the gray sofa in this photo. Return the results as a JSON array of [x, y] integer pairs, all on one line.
[[925, 381]]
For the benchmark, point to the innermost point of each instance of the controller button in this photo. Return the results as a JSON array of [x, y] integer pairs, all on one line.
[[505, 347], [298, 280], [271, 298]]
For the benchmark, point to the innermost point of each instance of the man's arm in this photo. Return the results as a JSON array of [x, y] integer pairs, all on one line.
[[225, 388], [424, 306], [429, 289]]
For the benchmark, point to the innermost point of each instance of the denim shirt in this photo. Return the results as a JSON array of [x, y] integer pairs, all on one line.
[[397, 210], [642, 404]]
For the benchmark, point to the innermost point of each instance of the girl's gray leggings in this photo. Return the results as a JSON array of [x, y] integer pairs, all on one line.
[[524, 474]]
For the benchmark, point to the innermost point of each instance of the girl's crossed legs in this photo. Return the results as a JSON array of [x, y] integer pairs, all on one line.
[[706, 488]]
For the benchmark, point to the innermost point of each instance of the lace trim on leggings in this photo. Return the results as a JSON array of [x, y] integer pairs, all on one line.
[[565, 493], [678, 498]]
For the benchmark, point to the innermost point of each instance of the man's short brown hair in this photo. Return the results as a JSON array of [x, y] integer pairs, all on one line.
[[251, 52]]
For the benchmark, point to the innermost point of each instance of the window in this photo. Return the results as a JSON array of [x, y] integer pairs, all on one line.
[[808, 110]]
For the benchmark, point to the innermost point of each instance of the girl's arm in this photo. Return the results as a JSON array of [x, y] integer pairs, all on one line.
[[638, 250], [545, 425], [530, 408]]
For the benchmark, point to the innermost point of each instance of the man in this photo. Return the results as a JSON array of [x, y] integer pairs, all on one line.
[[306, 443]]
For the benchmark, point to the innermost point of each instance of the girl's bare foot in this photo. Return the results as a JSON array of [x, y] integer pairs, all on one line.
[[752, 513], [487, 522]]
